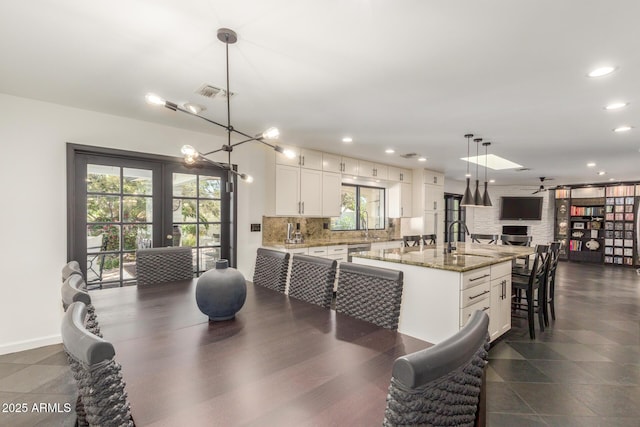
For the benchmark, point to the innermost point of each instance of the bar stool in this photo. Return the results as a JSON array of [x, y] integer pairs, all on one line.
[[484, 238], [535, 281]]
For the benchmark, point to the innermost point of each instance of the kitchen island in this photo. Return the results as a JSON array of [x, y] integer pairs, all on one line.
[[441, 290]]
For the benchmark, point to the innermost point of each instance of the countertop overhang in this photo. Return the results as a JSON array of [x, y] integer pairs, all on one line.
[[467, 256], [332, 242]]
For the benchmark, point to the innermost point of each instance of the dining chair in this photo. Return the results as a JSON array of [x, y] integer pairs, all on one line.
[[159, 265], [484, 238], [515, 240], [271, 269], [429, 239], [533, 285], [74, 289], [441, 385], [312, 279], [72, 267], [408, 241], [97, 374], [370, 293], [554, 253], [96, 246]]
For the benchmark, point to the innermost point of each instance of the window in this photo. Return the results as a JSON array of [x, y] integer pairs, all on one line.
[[362, 208], [454, 212]]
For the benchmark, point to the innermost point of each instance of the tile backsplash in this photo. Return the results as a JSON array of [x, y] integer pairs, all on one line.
[[274, 229]]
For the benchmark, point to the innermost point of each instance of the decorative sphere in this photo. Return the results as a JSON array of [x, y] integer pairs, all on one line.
[[221, 292]]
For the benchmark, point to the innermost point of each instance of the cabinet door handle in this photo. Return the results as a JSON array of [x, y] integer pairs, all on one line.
[[435, 205], [478, 278], [401, 211], [341, 167], [299, 208], [302, 160], [302, 207], [479, 295], [435, 179], [486, 308], [401, 176]]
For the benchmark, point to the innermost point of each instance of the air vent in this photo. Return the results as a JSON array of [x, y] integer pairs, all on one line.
[[209, 91], [409, 155]]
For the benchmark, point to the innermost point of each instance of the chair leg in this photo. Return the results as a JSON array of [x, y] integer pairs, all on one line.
[[552, 298], [532, 331], [541, 303]]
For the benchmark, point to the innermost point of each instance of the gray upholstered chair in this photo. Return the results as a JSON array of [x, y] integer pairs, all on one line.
[[72, 267], [271, 269], [95, 370], [158, 265], [370, 293], [312, 279], [484, 238], [440, 386], [74, 289]]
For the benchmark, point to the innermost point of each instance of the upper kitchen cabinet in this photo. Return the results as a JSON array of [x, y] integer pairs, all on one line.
[[399, 174], [432, 177], [298, 191], [331, 163], [428, 200], [349, 166], [372, 170], [308, 159], [400, 200], [331, 194]]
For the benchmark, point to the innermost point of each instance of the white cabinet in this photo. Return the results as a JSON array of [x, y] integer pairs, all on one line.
[[298, 191], [433, 197], [399, 175], [309, 159], [500, 317], [432, 177], [331, 163], [337, 252], [349, 166], [372, 170], [428, 201], [400, 200], [320, 251], [331, 194]]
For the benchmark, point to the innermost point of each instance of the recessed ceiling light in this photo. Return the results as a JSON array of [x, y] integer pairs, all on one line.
[[492, 181], [622, 129], [612, 179], [616, 105], [601, 173], [389, 151], [591, 164], [467, 175], [602, 71], [422, 159], [347, 139]]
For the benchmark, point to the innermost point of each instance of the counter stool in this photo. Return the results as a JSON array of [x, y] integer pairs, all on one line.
[[533, 285]]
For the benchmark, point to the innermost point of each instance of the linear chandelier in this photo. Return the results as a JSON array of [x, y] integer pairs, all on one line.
[[193, 156]]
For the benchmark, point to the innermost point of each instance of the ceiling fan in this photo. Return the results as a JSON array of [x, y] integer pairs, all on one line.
[[541, 188]]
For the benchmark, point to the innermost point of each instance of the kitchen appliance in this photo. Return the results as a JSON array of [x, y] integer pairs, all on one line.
[[289, 238]]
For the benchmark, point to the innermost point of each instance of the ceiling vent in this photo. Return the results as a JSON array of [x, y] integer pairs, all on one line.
[[211, 92], [409, 155]]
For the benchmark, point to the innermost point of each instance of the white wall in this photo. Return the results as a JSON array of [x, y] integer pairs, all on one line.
[[33, 135]]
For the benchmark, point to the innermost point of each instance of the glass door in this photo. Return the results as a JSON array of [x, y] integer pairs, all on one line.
[[119, 204], [200, 214], [454, 212]]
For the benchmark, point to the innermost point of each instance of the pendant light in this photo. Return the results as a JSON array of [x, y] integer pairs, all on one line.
[[477, 197], [467, 199], [486, 199]]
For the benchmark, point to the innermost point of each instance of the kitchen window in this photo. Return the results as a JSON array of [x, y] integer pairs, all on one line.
[[362, 208]]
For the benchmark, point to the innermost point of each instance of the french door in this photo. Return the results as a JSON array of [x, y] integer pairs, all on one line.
[[119, 203]]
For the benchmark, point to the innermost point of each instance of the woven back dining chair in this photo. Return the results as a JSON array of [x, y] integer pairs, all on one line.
[[97, 374], [74, 289], [271, 269], [72, 267], [312, 279], [159, 265], [370, 293], [441, 385]]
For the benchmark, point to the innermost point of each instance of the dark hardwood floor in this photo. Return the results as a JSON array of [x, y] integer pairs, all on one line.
[[584, 370]]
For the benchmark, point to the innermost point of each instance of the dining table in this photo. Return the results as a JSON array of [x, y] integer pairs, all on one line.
[[279, 362]]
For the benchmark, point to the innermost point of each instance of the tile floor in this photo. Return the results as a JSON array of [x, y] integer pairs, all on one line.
[[582, 371]]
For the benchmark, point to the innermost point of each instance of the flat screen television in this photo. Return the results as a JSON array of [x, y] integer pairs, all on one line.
[[521, 208]]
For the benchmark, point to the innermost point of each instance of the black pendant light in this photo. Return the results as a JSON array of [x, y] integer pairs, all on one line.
[[467, 199], [485, 198], [477, 197]]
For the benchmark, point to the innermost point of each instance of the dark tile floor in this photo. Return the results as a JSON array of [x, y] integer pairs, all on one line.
[[582, 371]]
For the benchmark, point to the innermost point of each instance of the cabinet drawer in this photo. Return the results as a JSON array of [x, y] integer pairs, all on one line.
[[465, 313], [303, 251], [476, 277], [318, 251], [339, 258], [502, 269], [474, 294], [337, 250]]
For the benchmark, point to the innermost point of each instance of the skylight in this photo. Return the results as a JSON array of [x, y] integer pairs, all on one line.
[[493, 162]]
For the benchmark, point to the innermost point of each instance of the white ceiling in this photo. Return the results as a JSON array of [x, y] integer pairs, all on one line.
[[412, 75]]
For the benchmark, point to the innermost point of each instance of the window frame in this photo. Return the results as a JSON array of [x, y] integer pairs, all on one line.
[[358, 225]]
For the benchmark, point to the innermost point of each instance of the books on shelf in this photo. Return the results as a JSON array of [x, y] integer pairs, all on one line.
[[586, 210], [575, 245], [620, 190]]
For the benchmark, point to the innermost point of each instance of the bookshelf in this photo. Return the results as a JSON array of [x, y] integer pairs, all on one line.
[[561, 231], [585, 227], [619, 225]]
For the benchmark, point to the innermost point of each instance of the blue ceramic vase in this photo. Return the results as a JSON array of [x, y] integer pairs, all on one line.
[[221, 292]]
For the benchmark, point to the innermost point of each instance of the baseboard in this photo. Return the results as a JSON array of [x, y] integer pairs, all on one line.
[[30, 344]]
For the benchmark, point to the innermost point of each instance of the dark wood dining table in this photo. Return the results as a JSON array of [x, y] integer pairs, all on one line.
[[280, 362]]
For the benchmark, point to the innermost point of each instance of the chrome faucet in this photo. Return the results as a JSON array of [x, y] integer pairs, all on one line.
[[449, 246]]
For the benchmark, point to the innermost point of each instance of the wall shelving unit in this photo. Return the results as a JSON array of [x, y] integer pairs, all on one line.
[[619, 225]]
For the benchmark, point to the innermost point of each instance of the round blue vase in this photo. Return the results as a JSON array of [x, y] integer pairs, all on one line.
[[221, 292]]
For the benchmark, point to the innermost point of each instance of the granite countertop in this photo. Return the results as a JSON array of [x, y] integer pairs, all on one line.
[[467, 256], [332, 242]]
